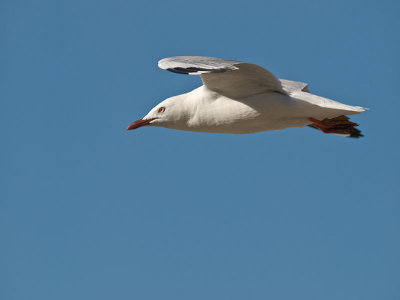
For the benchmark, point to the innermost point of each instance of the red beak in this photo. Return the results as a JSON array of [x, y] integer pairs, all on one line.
[[139, 123]]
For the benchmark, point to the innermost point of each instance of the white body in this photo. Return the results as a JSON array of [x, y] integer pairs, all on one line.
[[209, 111]]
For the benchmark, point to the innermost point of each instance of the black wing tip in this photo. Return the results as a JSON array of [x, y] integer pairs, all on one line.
[[194, 70], [178, 70]]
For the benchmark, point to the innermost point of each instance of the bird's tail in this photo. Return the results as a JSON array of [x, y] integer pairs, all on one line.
[[340, 125]]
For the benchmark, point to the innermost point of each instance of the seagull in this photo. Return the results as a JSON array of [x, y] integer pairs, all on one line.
[[238, 97]]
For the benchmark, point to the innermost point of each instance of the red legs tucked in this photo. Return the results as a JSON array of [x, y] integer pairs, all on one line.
[[318, 124], [338, 125]]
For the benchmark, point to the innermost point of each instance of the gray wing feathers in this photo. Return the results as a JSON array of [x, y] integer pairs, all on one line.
[[231, 78], [248, 80], [196, 65]]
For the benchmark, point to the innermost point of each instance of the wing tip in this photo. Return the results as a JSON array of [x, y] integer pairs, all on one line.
[[195, 65]]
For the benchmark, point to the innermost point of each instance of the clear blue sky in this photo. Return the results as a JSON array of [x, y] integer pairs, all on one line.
[[91, 211]]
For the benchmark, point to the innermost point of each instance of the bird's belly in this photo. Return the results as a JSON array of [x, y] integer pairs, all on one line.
[[265, 112], [250, 126]]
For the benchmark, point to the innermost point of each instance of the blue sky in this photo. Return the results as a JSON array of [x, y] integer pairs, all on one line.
[[91, 211]]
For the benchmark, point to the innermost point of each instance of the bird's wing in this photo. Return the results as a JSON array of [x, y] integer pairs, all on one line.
[[293, 86], [231, 78]]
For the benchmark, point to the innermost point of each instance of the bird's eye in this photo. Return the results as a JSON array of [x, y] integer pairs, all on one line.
[[161, 109]]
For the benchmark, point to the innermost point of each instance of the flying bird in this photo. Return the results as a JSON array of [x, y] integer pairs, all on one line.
[[239, 97]]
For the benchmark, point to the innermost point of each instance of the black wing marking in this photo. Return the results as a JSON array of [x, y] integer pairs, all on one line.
[[194, 70]]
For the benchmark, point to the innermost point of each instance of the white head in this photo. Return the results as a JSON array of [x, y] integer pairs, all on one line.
[[171, 113]]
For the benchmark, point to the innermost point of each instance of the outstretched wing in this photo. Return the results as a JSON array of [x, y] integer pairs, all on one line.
[[231, 78]]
